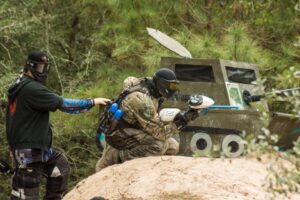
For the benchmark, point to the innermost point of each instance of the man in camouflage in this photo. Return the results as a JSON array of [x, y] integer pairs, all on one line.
[[141, 132]]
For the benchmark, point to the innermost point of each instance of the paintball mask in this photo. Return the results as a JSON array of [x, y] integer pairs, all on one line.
[[166, 82], [38, 63]]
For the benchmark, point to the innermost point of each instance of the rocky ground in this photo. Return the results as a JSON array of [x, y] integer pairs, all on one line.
[[178, 177]]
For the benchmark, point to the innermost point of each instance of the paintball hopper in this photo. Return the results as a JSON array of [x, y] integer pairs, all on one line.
[[199, 102], [5, 167]]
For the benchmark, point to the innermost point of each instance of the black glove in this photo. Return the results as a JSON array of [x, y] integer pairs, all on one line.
[[183, 119], [191, 114]]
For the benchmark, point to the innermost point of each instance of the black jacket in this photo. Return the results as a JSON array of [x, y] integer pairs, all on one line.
[[27, 116]]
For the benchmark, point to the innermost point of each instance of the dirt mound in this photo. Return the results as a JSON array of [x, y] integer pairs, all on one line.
[[176, 177]]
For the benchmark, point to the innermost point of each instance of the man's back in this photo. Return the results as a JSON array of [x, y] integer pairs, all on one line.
[[141, 109]]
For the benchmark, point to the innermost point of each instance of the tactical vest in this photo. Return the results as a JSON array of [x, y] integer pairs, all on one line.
[[111, 118]]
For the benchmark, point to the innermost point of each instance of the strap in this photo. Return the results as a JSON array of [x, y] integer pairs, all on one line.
[[138, 87], [105, 121]]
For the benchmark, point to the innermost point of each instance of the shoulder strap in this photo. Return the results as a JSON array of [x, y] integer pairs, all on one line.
[[138, 87], [104, 117]]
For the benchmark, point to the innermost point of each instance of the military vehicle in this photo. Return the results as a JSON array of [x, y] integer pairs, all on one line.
[[233, 86]]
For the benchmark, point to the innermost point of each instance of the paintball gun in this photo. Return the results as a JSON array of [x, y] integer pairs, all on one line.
[[196, 104], [248, 98]]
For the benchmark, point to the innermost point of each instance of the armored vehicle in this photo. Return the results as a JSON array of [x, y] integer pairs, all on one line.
[[233, 86]]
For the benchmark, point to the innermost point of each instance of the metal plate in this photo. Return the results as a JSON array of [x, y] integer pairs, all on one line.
[[169, 43]]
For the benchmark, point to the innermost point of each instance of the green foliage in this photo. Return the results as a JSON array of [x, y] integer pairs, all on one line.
[[95, 45], [4, 152], [284, 176]]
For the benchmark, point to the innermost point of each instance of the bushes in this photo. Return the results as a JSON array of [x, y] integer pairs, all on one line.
[[94, 45]]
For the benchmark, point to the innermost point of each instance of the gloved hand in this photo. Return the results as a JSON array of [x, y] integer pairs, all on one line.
[[191, 114], [182, 119]]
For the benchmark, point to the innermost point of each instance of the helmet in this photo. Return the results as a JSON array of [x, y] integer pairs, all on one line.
[[38, 63], [165, 82]]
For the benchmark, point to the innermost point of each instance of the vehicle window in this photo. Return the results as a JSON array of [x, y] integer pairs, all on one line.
[[240, 75], [196, 73]]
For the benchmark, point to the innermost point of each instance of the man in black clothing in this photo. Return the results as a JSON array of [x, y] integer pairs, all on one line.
[[29, 134]]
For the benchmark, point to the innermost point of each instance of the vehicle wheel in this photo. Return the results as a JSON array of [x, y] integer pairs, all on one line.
[[232, 146], [201, 144]]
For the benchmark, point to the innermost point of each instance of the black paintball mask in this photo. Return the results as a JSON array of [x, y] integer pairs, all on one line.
[[38, 64], [165, 82]]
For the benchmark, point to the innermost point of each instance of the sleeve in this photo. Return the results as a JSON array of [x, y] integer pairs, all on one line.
[[75, 106], [141, 107], [41, 98]]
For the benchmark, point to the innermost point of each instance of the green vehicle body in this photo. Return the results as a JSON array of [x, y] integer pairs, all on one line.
[[225, 82], [229, 84]]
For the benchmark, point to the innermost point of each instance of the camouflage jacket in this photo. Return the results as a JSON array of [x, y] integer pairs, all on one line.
[[142, 109]]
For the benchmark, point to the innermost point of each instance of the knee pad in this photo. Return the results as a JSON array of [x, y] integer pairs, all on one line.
[[61, 167], [58, 175], [172, 147]]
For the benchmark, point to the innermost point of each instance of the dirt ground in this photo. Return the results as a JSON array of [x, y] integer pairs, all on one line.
[[178, 177]]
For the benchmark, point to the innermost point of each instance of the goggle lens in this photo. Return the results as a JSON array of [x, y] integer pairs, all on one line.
[[174, 86], [42, 67]]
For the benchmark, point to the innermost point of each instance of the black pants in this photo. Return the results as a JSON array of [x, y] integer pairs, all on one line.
[[26, 181]]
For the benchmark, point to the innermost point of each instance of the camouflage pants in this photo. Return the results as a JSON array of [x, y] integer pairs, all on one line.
[[147, 146]]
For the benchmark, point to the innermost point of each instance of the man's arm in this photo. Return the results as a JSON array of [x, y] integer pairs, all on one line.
[[41, 98], [75, 106], [142, 108]]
